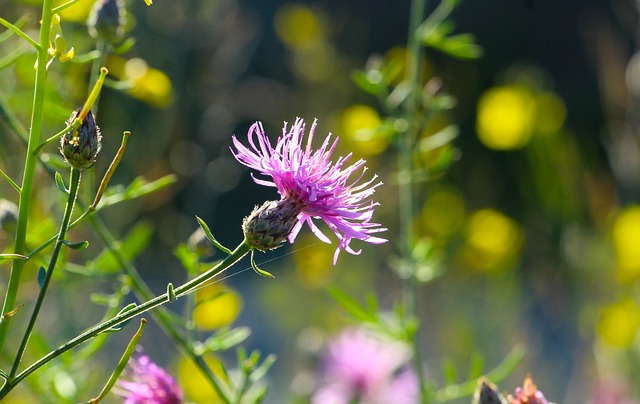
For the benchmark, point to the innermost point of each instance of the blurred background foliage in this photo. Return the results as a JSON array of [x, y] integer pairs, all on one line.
[[531, 216]]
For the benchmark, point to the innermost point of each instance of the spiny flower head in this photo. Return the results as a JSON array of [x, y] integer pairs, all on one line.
[[145, 382], [81, 146], [311, 186]]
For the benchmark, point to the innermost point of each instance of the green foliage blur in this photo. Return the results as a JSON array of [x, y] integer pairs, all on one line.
[[527, 180]]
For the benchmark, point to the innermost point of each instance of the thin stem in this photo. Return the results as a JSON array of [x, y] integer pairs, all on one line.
[[143, 292], [10, 181], [122, 317], [20, 33], [406, 193], [29, 170], [76, 174]]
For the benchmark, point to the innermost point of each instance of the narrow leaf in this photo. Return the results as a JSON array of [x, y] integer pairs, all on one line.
[[209, 235], [120, 326], [122, 363], [258, 270], [223, 339], [79, 245], [449, 372], [133, 244], [264, 367], [42, 274], [60, 183]]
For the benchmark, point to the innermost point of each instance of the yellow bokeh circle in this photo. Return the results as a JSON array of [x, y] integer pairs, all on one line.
[[194, 384], [360, 126], [493, 240], [297, 25], [505, 118], [216, 306], [626, 242], [443, 213], [619, 323]]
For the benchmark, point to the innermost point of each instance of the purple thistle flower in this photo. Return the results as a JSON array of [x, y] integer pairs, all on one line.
[[147, 383], [363, 367], [315, 186]]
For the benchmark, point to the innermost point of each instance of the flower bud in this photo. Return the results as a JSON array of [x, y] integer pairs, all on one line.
[[81, 146], [107, 20], [269, 225]]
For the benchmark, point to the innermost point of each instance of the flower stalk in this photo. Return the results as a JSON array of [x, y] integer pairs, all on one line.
[[29, 169], [76, 175], [125, 315], [406, 191]]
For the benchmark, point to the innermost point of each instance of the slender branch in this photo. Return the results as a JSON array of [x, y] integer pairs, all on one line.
[[143, 292], [29, 170], [126, 315], [10, 181], [406, 193], [20, 33], [65, 5], [76, 174]]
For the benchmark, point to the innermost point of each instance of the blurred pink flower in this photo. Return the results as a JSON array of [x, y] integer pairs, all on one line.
[[317, 187], [147, 383], [360, 366], [528, 394]]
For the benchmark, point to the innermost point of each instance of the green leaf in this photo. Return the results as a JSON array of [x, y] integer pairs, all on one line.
[[137, 189], [364, 81], [449, 372], [125, 46], [476, 366], [60, 183], [188, 258], [462, 46], [352, 306], [120, 326], [259, 372], [79, 245], [223, 339], [132, 245], [258, 270], [209, 235], [13, 257]]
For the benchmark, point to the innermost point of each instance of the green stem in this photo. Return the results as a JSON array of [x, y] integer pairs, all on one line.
[[29, 171], [406, 194], [143, 292], [76, 174], [122, 317]]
